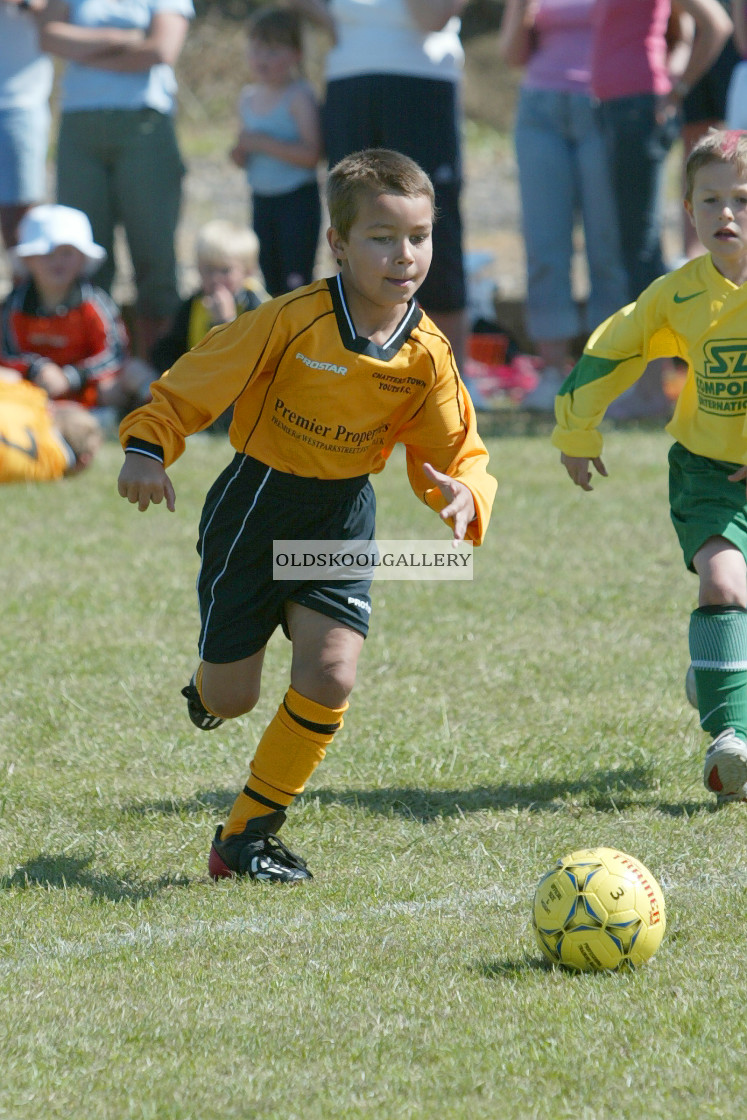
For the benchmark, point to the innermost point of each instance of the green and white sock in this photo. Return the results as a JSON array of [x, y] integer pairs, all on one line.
[[718, 651]]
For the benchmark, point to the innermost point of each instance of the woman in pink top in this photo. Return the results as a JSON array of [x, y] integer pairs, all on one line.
[[640, 73], [562, 173], [640, 87]]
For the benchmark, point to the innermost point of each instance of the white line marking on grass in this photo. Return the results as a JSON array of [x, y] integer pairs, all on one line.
[[149, 934], [461, 903]]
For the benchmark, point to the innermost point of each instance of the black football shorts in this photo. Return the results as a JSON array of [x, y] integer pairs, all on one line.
[[249, 506]]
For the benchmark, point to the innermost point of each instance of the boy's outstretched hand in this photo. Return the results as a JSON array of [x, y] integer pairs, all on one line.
[[461, 503], [144, 480], [578, 469]]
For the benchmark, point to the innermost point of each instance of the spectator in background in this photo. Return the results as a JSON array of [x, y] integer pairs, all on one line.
[[118, 158], [640, 81], [556, 128], [280, 146], [704, 107], [227, 264], [736, 105], [25, 86], [640, 84], [58, 330], [393, 81], [229, 284], [42, 440]]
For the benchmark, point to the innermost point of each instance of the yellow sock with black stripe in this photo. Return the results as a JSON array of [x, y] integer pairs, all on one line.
[[288, 753]]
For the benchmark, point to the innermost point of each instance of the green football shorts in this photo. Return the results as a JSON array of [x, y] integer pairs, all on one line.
[[703, 503]]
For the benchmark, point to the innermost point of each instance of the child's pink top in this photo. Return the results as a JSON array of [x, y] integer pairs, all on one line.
[[629, 48], [562, 57]]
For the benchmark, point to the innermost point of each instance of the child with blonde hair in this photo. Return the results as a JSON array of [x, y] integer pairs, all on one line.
[[227, 264]]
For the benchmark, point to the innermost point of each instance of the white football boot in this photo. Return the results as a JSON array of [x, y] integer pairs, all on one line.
[[725, 772]]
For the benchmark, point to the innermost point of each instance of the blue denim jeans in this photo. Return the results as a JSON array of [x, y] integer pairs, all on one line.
[[563, 176], [637, 147]]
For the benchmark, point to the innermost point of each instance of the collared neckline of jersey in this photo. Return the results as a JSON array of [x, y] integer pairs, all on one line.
[[360, 345], [31, 304]]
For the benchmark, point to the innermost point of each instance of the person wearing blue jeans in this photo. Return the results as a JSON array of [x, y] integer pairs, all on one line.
[[558, 130], [637, 135], [25, 85], [643, 63], [557, 134]]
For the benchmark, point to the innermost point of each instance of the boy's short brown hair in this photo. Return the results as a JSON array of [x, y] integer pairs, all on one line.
[[727, 146], [277, 27], [372, 171]]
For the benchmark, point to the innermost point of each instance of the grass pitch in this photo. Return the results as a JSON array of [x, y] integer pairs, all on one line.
[[495, 726]]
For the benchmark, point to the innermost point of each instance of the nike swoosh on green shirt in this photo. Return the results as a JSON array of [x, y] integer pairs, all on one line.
[[683, 299]]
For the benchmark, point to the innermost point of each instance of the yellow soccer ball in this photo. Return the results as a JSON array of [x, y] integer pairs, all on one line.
[[598, 909]]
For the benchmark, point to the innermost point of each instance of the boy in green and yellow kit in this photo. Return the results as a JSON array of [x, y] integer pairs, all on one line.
[[699, 314]]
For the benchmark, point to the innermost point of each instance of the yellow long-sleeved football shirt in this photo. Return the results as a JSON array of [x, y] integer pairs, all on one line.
[[693, 313], [312, 398]]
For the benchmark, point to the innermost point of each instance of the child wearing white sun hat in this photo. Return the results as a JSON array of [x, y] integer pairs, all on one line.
[[49, 227], [59, 330]]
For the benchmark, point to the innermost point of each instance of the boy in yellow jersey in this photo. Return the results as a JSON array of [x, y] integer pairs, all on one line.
[[323, 381], [697, 313]]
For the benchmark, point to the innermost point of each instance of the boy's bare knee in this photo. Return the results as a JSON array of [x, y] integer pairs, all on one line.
[[228, 696], [329, 683], [723, 574], [228, 704]]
